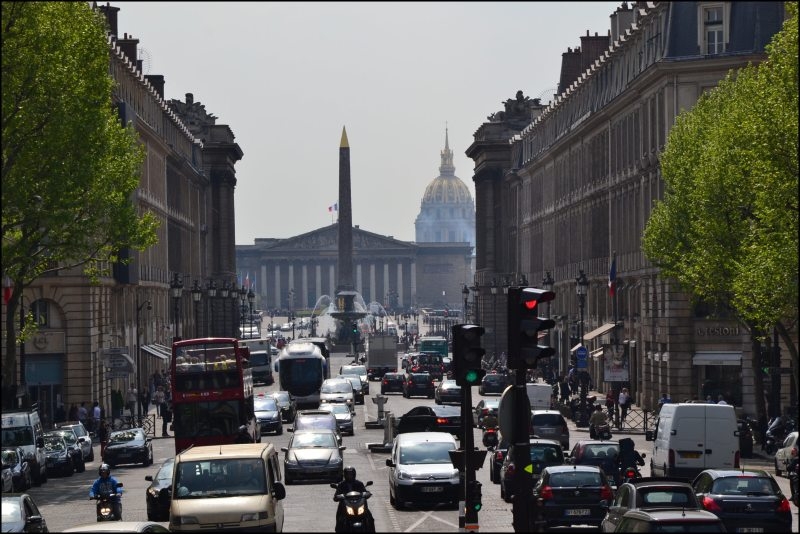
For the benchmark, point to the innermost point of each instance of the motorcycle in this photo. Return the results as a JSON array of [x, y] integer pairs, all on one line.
[[779, 428], [600, 432], [630, 473], [490, 438], [356, 517], [105, 506]]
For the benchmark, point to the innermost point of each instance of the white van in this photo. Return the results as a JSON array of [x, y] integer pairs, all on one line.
[[24, 429], [539, 395], [691, 437]]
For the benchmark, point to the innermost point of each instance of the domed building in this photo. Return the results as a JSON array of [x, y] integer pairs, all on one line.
[[447, 213]]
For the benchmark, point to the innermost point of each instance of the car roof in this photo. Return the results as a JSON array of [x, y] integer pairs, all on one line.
[[540, 441], [666, 514], [584, 442], [445, 410], [423, 437], [572, 468], [548, 412], [231, 450], [115, 526], [659, 481], [719, 473]]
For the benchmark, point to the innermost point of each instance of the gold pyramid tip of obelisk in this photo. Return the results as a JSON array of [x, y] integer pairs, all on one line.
[[344, 143]]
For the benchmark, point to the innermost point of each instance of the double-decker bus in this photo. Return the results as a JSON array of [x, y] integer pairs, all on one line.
[[212, 392], [301, 371], [261, 351]]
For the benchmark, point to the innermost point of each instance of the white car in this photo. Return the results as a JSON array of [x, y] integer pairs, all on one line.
[[785, 454], [420, 469]]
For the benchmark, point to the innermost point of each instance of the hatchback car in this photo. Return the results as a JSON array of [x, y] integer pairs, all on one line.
[[649, 494], [159, 493], [313, 455], [59, 456], [603, 454], [418, 384], [73, 444], [343, 416], [337, 390], [572, 495], [18, 468], [550, 424], [786, 453], [360, 371], [358, 387], [286, 404], [392, 383], [544, 453], [745, 500], [670, 521], [430, 419], [268, 414], [448, 392], [83, 438], [316, 420], [420, 470], [129, 447], [493, 384], [20, 514]]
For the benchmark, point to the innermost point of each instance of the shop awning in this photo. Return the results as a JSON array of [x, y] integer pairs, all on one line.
[[159, 351], [596, 353], [573, 349], [717, 358], [599, 331]]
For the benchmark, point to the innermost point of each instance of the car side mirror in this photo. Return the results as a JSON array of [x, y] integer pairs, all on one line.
[[290, 429], [342, 448], [369, 483], [334, 485], [644, 455], [648, 436], [389, 462], [149, 478], [284, 449], [279, 491], [34, 520]]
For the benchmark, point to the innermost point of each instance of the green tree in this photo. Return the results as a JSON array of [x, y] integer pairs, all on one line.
[[727, 228], [69, 167]]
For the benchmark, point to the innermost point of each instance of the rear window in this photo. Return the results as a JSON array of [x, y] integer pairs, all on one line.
[[600, 451], [547, 454], [315, 421], [420, 377], [494, 378], [547, 419], [575, 479], [665, 497], [744, 486]]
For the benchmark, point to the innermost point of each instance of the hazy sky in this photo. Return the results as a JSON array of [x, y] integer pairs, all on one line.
[[287, 76]]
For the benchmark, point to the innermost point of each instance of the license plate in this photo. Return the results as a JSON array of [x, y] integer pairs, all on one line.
[[547, 430], [693, 455], [432, 489], [579, 511], [750, 529]]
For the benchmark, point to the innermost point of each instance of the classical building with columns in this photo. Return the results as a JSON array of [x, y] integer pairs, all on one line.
[[564, 189]]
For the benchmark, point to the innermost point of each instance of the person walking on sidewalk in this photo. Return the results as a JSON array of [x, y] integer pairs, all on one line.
[[144, 399], [166, 418], [131, 398], [158, 399], [624, 404]]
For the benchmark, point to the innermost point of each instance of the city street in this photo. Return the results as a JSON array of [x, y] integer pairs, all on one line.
[[309, 507]]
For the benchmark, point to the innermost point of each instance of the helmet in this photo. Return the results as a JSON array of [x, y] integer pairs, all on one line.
[[349, 473], [243, 429], [104, 468]]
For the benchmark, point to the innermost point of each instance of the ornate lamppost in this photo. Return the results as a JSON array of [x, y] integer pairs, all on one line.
[[494, 315], [242, 301], [197, 294], [234, 298], [211, 289], [465, 293], [251, 297], [475, 294], [176, 290], [581, 286]]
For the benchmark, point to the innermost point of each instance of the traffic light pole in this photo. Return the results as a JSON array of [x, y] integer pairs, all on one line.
[[521, 507], [470, 514]]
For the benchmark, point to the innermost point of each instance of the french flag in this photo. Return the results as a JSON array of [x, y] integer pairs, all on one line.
[[333, 207], [612, 276]]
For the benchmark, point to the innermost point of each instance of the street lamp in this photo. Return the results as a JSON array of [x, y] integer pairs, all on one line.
[[176, 290], [242, 300], [494, 314], [581, 286], [465, 293], [251, 297], [547, 285], [197, 294], [211, 288], [137, 380], [234, 297]]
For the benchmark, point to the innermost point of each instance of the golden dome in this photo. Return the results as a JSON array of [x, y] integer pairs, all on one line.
[[447, 188]]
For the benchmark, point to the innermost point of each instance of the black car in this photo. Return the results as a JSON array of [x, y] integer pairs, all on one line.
[[744, 500], [649, 494], [392, 383], [670, 520], [496, 458], [544, 453], [418, 384], [74, 446], [59, 456], [430, 419], [448, 392], [268, 414], [21, 476], [571, 495], [159, 493], [20, 514], [603, 454], [286, 404], [128, 447], [493, 383]]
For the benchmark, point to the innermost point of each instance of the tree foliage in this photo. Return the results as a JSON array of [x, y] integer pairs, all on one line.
[[69, 168]]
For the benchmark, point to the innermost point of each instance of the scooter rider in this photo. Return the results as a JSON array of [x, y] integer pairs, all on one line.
[[107, 484], [627, 457], [597, 420], [348, 484]]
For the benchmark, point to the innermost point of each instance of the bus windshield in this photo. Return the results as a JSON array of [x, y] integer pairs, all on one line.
[[301, 377], [257, 359]]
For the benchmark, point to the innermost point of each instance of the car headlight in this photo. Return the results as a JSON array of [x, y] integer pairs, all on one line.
[[184, 520], [255, 516], [402, 475], [153, 492], [337, 460]]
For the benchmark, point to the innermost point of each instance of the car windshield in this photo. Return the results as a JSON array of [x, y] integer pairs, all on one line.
[[337, 387], [120, 437], [11, 510], [354, 370], [335, 408], [17, 436], [305, 440], [55, 445], [548, 454], [267, 404], [431, 452], [281, 396], [600, 451], [575, 479], [69, 437], [258, 359], [165, 473], [10, 458], [546, 419], [744, 485], [654, 497], [220, 478], [314, 422]]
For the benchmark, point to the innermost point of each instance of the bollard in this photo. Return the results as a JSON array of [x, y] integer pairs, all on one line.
[[388, 429], [380, 400]]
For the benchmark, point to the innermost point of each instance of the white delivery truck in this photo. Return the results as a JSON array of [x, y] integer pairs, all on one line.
[[539, 395], [691, 437]]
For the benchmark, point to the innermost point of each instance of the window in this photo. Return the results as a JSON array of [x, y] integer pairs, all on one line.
[[712, 29], [40, 312]]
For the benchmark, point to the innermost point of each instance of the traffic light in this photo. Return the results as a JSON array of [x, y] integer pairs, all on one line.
[[524, 325], [467, 354], [474, 496]]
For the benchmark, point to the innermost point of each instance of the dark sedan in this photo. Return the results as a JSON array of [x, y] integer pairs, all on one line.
[[571, 495], [268, 414], [21, 476], [418, 384], [430, 419], [20, 514], [648, 495], [493, 383], [59, 456], [358, 387], [313, 455], [286, 404], [392, 383], [128, 447], [73, 445], [745, 500], [159, 493], [448, 392], [496, 458], [603, 454], [544, 453]]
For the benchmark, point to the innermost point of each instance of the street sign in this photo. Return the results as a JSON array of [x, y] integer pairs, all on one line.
[[506, 412], [582, 357], [120, 363], [117, 374]]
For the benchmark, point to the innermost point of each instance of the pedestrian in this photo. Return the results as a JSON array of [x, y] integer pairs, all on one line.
[[131, 397], [83, 414], [73, 413], [166, 418], [721, 400], [144, 399], [624, 403], [102, 434], [610, 404], [96, 414], [564, 390], [158, 399], [665, 399]]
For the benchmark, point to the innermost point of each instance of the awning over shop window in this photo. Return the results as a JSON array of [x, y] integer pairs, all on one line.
[[717, 358], [573, 349], [599, 331], [596, 353], [159, 351]]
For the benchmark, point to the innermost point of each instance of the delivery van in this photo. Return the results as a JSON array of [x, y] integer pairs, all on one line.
[[691, 437], [24, 429], [539, 395]]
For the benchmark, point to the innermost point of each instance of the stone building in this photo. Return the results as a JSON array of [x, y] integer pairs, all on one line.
[[561, 190], [187, 181]]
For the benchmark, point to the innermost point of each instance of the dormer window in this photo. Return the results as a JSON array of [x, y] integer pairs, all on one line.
[[713, 28]]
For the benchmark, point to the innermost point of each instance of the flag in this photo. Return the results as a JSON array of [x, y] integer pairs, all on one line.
[[612, 276], [333, 207], [8, 289], [246, 284]]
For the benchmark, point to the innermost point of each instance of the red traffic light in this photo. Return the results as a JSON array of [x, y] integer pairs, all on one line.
[[530, 304]]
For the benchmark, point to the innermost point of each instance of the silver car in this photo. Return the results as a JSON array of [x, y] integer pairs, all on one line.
[[83, 438], [337, 390], [420, 469], [550, 424]]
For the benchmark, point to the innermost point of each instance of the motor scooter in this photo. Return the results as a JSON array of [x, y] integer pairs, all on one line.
[[356, 512], [779, 428], [490, 438], [105, 506], [600, 431]]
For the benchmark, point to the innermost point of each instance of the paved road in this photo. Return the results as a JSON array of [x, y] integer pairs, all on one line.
[[309, 507]]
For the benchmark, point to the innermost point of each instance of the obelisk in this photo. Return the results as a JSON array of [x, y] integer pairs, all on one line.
[[345, 219]]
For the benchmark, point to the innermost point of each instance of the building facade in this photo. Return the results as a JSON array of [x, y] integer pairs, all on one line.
[[568, 189]]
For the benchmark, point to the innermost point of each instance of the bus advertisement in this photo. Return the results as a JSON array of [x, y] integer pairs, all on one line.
[[301, 371], [212, 392], [261, 352]]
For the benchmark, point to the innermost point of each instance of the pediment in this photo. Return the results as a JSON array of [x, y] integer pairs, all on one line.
[[328, 239]]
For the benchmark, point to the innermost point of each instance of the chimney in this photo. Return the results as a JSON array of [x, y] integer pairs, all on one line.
[[157, 81], [570, 68], [621, 20], [111, 18], [592, 47], [128, 45]]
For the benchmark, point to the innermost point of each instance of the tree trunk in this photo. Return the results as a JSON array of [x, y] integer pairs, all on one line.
[[10, 363], [758, 380]]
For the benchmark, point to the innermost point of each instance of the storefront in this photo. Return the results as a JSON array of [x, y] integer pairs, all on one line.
[[720, 373]]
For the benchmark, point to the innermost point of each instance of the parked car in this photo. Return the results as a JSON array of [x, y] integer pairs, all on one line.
[[544, 453], [74, 446], [286, 404], [493, 383], [602, 454], [343, 416], [784, 455], [418, 384], [496, 458], [316, 420], [20, 514], [448, 392], [268, 414], [484, 408], [18, 469], [130, 446], [59, 456], [550, 424], [392, 383], [745, 500], [158, 494], [648, 494], [358, 387], [670, 520], [6, 478], [420, 470], [83, 438], [572, 494], [313, 455], [430, 419]]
